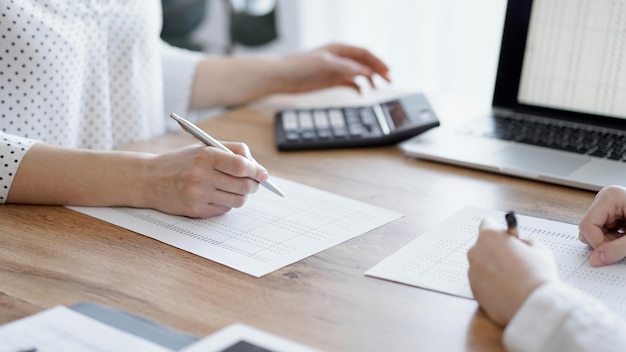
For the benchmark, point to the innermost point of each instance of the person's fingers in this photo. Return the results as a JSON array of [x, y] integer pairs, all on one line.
[[605, 214], [370, 79], [362, 56], [239, 148], [205, 210], [243, 150], [539, 245], [534, 242], [591, 228], [490, 233], [219, 202], [491, 224], [239, 166], [227, 199], [352, 85], [582, 239], [346, 68], [608, 252], [235, 185]]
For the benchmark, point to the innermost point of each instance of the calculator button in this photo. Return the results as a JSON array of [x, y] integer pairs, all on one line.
[[356, 130], [320, 119], [292, 136], [374, 134], [352, 115], [340, 132], [290, 121], [374, 131], [336, 118], [324, 133], [305, 120], [368, 117], [308, 134]]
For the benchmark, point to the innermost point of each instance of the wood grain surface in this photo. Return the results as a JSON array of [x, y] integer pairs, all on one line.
[[53, 256]]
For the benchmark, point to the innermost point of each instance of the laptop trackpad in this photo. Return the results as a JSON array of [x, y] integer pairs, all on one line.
[[537, 160]]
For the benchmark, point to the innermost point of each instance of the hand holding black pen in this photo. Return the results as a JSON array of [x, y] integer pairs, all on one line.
[[504, 271]]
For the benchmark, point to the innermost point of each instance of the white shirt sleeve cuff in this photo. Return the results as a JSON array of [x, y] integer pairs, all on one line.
[[524, 333], [559, 317], [12, 151]]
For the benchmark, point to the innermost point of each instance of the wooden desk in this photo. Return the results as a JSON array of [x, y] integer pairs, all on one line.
[[51, 255]]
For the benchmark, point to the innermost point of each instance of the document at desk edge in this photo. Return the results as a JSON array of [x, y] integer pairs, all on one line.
[[61, 329], [437, 260], [266, 234]]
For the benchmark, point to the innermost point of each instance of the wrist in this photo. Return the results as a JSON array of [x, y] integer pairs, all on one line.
[[276, 76], [119, 178], [137, 180]]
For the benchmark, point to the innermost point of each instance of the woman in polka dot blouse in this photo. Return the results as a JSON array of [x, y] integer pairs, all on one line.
[[517, 284], [80, 78]]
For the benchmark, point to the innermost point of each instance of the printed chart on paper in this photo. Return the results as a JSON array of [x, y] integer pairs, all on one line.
[[437, 260], [266, 234]]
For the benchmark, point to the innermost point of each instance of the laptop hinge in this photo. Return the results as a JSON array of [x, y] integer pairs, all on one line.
[[502, 112]]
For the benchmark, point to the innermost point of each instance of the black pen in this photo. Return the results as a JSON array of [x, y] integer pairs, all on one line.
[[511, 224]]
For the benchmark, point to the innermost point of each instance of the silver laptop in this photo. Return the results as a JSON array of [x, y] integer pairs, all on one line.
[[559, 105]]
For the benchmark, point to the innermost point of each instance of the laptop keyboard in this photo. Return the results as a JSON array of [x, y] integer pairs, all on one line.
[[598, 142]]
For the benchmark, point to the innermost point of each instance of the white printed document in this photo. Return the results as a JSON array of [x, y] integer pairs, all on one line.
[[437, 260], [62, 329], [266, 234]]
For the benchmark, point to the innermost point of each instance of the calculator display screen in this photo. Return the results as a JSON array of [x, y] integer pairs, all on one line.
[[397, 113]]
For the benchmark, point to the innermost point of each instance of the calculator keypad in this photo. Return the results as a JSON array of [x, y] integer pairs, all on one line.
[[377, 124], [328, 124]]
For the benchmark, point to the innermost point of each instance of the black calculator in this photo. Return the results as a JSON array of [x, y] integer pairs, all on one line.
[[378, 124]]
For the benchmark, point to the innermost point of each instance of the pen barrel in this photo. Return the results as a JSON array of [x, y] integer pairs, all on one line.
[[511, 224]]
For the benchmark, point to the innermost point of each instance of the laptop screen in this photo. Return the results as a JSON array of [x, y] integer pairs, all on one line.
[[564, 59]]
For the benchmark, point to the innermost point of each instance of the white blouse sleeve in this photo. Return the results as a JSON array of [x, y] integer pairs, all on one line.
[[12, 151], [558, 317], [179, 67]]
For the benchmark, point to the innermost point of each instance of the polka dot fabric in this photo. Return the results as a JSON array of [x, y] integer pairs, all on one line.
[[85, 74]]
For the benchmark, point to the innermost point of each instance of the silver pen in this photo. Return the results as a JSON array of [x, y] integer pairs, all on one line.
[[210, 141]]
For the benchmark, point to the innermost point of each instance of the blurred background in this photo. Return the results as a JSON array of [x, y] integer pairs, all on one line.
[[445, 47]]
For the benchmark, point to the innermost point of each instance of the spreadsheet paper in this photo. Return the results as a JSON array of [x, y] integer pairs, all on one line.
[[437, 260], [266, 234]]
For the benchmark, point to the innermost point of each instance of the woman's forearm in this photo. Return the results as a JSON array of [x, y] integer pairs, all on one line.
[[55, 175], [231, 81]]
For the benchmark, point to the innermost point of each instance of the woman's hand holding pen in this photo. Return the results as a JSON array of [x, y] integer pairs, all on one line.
[[200, 181], [603, 226], [504, 270]]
